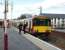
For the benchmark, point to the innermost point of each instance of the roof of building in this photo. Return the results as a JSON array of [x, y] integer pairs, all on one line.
[[54, 15]]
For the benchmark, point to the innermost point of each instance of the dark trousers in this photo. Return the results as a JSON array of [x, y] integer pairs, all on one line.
[[24, 30], [19, 31]]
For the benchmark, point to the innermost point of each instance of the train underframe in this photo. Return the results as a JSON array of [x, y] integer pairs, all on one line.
[[42, 35]]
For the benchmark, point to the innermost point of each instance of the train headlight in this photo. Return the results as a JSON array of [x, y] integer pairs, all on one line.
[[47, 30], [50, 29], [33, 30]]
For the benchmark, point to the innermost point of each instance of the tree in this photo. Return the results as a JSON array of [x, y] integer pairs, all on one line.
[[22, 17]]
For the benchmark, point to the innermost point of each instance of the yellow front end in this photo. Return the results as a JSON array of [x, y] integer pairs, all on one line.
[[42, 29]]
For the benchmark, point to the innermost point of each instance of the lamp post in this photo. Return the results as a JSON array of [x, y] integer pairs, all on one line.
[[5, 26]]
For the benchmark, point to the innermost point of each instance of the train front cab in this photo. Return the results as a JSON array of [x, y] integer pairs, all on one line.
[[41, 26]]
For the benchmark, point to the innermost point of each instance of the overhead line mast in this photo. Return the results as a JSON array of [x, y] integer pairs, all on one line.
[[40, 10]]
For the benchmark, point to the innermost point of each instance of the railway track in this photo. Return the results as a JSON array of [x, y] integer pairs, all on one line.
[[56, 38]]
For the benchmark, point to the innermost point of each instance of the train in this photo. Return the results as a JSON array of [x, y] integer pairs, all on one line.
[[38, 25]]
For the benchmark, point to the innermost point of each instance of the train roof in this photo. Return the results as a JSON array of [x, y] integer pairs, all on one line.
[[54, 15], [42, 17]]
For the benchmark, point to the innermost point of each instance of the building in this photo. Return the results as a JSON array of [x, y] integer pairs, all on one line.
[[57, 20]]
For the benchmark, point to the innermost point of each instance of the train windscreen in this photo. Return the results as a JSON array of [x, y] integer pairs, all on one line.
[[41, 22]]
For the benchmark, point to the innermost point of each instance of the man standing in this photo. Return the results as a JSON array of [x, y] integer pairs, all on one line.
[[20, 27]]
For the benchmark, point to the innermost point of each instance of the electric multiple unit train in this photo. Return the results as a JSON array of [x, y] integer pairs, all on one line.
[[38, 25]]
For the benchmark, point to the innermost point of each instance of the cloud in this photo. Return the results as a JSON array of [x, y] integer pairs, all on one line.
[[1, 11], [60, 8], [48, 6]]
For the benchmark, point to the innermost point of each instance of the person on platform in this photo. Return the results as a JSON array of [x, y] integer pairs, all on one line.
[[20, 27]]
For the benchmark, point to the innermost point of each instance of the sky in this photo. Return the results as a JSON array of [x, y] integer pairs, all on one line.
[[18, 7]]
